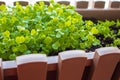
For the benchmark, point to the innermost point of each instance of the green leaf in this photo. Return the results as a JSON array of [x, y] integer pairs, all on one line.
[[58, 35], [22, 48], [55, 19], [96, 42], [11, 42], [56, 45], [68, 23], [42, 36], [3, 7], [94, 30], [116, 42], [12, 56], [89, 23], [5, 40], [20, 28], [41, 3], [48, 40], [14, 49], [20, 39], [6, 33], [27, 52], [118, 23], [33, 32], [90, 37]]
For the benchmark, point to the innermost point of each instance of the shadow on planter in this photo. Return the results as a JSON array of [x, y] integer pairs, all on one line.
[[99, 4], [82, 4], [23, 3], [64, 2], [115, 4], [2, 3]]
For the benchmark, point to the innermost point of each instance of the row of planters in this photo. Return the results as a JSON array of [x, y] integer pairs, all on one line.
[[51, 29]]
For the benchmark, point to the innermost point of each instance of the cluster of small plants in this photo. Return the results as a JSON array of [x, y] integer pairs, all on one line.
[[50, 29], [106, 32]]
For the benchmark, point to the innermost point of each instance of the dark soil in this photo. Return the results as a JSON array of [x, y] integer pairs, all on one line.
[[114, 28], [56, 53], [108, 40], [118, 46], [92, 49], [104, 41], [99, 36], [53, 53], [92, 19], [118, 36]]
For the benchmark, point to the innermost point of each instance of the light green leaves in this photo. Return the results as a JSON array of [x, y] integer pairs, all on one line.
[[48, 40], [41, 3], [60, 11], [3, 20], [117, 42], [6, 33], [14, 49], [96, 42], [20, 39], [55, 19], [56, 45], [22, 48], [3, 7], [33, 32], [58, 35], [94, 30], [20, 28], [19, 48], [118, 23], [13, 20], [89, 23], [12, 56], [68, 23]]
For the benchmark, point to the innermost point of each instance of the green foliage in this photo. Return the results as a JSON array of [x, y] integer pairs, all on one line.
[[46, 29], [37, 29], [103, 27], [117, 42]]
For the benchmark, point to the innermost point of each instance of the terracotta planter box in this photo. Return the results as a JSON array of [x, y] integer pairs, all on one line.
[[103, 64]]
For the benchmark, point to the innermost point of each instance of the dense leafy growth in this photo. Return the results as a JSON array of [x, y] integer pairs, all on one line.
[[50, 29]]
